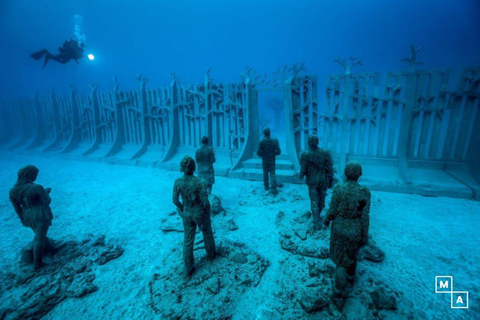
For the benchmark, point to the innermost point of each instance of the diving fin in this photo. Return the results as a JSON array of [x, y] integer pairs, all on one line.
[[39, 54], [48, 56]]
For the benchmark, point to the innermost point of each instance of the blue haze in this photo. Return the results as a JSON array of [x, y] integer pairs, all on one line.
[[156, 38]]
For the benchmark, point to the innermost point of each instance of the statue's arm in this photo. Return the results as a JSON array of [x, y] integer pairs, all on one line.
[[278, 151], [18, 210], [260, 149], [330, 170], [204, 198], [212, 157], [303, 166], [366, 220], [176, 197], [44, 194], [333, 209], [16, 207]]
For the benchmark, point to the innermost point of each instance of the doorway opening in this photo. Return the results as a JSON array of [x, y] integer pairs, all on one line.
[[271, 114]]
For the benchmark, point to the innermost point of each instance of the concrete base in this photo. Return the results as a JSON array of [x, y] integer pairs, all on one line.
[[429, 178], [252, 170]]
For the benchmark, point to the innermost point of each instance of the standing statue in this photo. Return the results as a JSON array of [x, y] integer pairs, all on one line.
[[349, 213], [194, 210], [317, 166], [268, 149], [32, 205], [205, 158]]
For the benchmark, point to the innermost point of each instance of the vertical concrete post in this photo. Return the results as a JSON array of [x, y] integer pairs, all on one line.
[[40, 134], [406, 120], [97, 124], [119, 138], [174, 140], [58, 125], [145, 119], [76, 136]]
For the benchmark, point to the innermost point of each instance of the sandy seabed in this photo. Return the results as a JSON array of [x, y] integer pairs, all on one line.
[[422, 237]]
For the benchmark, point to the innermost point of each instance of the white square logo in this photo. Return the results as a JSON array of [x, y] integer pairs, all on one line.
[[458, 299]]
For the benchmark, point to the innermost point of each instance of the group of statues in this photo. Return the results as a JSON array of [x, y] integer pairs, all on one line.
[[349, 208], [348, 212]]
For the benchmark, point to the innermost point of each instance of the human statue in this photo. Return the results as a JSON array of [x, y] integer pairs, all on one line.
[[194, 210], [268, 149], [349, 213], [205, 158], [317, 166], [70, 50], [32, 205]]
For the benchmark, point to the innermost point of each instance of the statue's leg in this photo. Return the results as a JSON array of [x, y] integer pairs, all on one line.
[[265, 176], [339, 293], [322, 193], [189, 228], [351, 273], [208, 239], [39, 245], [312, 192], [273, 177]]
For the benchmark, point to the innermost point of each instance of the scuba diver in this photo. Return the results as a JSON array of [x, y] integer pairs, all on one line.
[[71, 49]]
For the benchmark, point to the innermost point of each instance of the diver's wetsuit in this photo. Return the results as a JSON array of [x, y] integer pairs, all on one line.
[[71, 49]]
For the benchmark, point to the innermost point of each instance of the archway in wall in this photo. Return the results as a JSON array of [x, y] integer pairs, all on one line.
[[271, 114]]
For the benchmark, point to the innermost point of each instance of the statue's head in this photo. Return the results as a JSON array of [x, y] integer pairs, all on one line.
[[353, 171], [266, 132], [312, 141], [205, 140], [27, 174], [187, 165]]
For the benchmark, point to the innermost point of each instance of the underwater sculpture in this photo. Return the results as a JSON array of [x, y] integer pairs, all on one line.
[[349, 213], [317, 165], [32, 205], [268, 149], [205, 158], [194, 210]]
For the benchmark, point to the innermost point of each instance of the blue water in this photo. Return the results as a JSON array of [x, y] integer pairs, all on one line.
[[156, 38]]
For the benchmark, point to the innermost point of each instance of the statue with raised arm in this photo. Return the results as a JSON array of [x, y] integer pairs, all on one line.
[[349, 213], [194, 210], [205, 158], [32, 205], [317, 166]]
